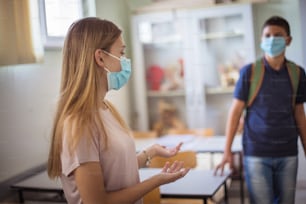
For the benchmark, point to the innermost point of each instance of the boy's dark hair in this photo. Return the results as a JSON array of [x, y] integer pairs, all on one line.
[[278, 21]]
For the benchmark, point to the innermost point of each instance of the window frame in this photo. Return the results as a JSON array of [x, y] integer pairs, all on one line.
[[51, 42]]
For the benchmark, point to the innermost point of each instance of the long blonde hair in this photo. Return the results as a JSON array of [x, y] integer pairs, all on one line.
[[81, 84]]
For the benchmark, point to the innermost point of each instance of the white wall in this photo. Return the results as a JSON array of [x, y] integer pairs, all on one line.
[[118, 12], [28, 92], [302, 7], [289, 9], [27, 100]]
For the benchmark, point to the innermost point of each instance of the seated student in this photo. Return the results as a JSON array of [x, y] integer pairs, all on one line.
[[168, 119]]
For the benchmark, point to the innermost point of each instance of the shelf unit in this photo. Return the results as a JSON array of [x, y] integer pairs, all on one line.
[[221, 35], [212, 44], [166, 93], [220, 90]]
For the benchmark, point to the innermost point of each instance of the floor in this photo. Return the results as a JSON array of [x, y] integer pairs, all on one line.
[[204, 161]]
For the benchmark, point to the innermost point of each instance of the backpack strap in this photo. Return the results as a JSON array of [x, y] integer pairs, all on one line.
[[256, 79], [257, 76], [294, 74]]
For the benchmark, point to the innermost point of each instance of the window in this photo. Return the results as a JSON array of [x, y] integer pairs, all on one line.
[[57, 15], [20, 41]]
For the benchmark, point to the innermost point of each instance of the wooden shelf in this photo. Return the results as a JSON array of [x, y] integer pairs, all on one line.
[[166, 93], [220, 90], [165, 40], [212, 36]]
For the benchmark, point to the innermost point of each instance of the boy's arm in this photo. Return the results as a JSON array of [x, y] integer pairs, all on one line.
[[299, 114]]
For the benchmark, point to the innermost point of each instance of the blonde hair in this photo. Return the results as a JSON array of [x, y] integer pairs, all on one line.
[[81, 86]]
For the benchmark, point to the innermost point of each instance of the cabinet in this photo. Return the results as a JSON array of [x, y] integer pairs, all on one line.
[[186, 57]]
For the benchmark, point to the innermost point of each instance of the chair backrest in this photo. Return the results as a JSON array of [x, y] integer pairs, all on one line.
[[153, 197], [176, 131], [144, 134], [207, 132], [200, 131], [188, 157]]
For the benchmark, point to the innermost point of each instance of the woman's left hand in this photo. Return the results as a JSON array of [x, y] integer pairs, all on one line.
[[163, 151]]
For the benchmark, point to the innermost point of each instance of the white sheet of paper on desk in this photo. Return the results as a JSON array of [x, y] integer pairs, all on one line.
[[173, 140]]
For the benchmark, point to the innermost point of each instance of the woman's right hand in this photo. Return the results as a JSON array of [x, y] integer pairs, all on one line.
[[171, 173]]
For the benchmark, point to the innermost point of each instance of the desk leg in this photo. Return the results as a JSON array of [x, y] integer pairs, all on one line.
[[205, 200], [225, 193], [21, 199], [212, 163], [241, 178]]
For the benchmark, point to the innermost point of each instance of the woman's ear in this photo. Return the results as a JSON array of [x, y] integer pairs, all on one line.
[[98, 57]]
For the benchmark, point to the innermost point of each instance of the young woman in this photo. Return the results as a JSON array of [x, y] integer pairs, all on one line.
[[92, 150]]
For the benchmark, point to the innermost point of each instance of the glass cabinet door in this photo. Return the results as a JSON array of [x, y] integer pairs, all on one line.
[[186, 57], [226, 45], [222, 41], [161, 61]]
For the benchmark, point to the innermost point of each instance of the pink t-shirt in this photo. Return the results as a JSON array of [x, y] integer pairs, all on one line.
[[119, 161]]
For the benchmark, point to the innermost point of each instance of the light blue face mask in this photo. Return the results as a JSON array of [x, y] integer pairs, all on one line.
[[273, 46], [116, 80]]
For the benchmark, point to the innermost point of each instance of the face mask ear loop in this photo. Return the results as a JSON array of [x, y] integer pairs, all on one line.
[[111, 55], [106, 69]]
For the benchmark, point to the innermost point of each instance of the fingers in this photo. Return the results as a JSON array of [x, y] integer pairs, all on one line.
[[165, 168], [178, 147], [219, 167], [171, 173], [174, 167], [184, 171], [177, 166]]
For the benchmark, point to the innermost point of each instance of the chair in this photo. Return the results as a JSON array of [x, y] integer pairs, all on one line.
[[144, 134], [176, 131], [190, 160], [206, 132], [153, 197], [188, 157], [199, 131]]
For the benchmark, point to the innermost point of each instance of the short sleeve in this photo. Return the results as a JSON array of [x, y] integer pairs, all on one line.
[[242, 86], [87, 150], [301, 92]]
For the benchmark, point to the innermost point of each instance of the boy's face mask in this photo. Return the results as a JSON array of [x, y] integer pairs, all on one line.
[[273, 46], [117, 80]]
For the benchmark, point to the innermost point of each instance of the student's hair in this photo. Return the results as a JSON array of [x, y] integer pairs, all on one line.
[[278, 21], [80, 88]]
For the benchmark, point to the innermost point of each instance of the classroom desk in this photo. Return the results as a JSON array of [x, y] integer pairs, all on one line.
[[197, 184], [38, 183], [200, 144]]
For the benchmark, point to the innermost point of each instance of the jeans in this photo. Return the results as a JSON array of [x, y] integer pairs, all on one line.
[[271, 180]]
